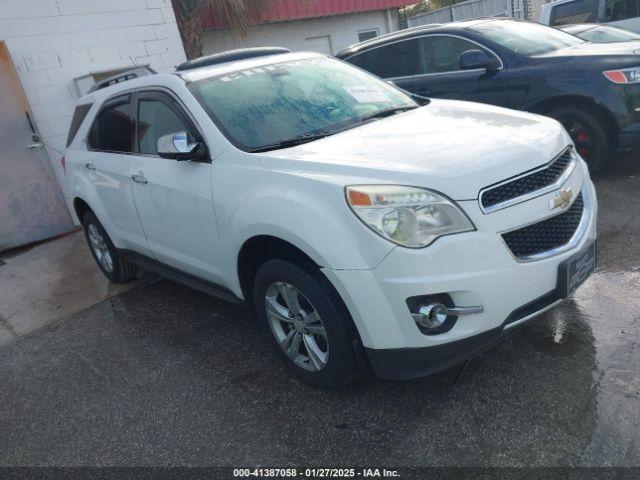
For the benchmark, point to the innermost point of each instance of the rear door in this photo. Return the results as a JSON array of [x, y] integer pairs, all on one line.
[[110, 145], [174, 198]]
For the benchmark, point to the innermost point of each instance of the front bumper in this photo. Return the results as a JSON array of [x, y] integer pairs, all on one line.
[[411, 363], [474, 268]]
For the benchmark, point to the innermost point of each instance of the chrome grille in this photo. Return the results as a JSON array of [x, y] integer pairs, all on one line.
[[547, 234], [500, 196]]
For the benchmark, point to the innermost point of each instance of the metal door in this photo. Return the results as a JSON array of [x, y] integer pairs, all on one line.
[[32, 207], [320, 44]]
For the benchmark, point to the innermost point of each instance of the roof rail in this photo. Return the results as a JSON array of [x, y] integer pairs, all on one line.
[[381, 38], [230, 56], [123, 77]]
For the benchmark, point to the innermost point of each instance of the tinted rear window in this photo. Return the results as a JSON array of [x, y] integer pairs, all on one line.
[[399, 59], [78, 117], [580, 11], [112, 130]]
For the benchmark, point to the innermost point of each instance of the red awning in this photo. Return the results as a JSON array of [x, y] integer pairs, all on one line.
[[283, 10]]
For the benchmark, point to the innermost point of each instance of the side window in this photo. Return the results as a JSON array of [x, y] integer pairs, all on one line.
[[78, 117], [617, 10], [397, 59], [112, 130], [441, 54], [580, 11], [155, 119]]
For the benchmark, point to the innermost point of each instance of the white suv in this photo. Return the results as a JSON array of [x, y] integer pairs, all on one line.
[[364, 230]]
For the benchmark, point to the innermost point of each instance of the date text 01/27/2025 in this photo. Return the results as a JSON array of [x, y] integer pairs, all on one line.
[[315, 473]]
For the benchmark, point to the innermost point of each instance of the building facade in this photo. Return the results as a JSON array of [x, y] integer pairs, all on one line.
[[325, 26], [59, 48]]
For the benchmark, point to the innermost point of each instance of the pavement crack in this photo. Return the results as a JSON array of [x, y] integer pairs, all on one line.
[[94, 368], [8, 327]]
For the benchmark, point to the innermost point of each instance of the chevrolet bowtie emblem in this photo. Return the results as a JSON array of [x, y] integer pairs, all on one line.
[[562, 200]]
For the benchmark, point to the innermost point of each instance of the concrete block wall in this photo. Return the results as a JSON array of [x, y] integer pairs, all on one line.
[[52, 42]]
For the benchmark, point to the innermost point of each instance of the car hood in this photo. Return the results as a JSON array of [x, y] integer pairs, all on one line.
[[631, 48], [454, 147]]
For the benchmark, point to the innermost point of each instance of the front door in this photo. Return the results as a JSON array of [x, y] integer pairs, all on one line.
[[439, 74], [32, 206], [174, 198]]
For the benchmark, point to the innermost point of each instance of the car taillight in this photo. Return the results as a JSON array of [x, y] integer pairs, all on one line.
[[64, 164], [623, 76]]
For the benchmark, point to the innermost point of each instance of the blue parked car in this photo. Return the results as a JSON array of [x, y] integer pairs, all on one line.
[[592, 89]]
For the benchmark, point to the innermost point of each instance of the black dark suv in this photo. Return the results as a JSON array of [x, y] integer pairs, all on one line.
[[592, 89]]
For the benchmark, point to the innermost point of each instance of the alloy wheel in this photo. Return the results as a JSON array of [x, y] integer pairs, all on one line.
[[581, 136], [100, 248], [297, 326]]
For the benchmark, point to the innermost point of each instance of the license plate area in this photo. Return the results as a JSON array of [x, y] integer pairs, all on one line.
[[574, 271]]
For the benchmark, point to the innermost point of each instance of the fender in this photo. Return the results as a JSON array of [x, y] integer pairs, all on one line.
[[309, 213]]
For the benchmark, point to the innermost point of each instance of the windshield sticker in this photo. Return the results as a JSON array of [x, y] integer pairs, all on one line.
[[367, 94]]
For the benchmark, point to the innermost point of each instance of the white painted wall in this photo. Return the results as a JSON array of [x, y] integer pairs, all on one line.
[[52, 42], [342, 31]]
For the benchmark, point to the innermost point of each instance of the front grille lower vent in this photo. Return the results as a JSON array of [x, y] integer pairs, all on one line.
[[547, 234], [527, 184]]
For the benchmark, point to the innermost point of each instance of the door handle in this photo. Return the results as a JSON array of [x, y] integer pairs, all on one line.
[[35, 146], [139, 178], [90, 166]]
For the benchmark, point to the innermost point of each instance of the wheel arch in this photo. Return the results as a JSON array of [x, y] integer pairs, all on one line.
[[81, 207], [600, 111], [257, 250]]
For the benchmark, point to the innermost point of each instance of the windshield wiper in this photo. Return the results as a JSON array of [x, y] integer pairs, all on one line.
[[293, 141], [387, 112], [310, 137]]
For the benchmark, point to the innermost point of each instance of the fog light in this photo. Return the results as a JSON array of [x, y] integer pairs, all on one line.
[[431, 316], [436, 314]]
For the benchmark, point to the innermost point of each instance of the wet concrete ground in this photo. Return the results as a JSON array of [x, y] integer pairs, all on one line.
[[162, 375], [50, 281]]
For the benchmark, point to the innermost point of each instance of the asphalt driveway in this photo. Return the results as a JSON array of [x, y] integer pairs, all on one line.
[[162, 375]]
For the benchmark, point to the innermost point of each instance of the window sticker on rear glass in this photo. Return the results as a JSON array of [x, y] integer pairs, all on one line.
[[367, 93]]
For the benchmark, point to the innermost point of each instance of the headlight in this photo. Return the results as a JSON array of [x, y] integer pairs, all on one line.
[[409, 216], [624, 76]]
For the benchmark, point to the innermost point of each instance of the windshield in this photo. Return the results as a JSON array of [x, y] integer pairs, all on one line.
[[608, 34], [263, 106], [526, 38]]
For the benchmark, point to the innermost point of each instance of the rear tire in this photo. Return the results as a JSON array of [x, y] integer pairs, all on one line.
[[316, 343], [106, 255], [587, 133]]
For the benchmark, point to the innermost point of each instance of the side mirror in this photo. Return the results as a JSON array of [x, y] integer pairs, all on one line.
[[178, 146], [476, 59]]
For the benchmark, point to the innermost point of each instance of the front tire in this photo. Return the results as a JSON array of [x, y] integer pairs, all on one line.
[[306, 323], [106, 255], [588, 135]]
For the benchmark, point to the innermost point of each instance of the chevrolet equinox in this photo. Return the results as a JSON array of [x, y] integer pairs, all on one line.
[[365, 231]]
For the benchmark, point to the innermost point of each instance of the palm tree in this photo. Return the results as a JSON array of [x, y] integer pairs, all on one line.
[[429, 5], [235, 13]]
